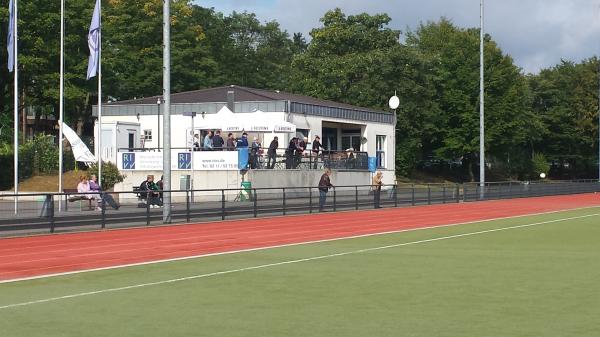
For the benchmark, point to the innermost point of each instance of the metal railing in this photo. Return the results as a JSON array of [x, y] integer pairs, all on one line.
[[286, 159], [59, 212]]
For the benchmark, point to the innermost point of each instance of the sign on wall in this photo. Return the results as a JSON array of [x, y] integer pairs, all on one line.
[[202, 160]]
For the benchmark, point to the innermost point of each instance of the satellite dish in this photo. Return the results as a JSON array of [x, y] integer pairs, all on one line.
[[394, 102]]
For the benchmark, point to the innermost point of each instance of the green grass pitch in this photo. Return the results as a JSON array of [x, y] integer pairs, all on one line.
[[469, 281]]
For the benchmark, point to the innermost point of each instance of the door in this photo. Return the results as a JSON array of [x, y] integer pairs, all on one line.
[[131, 141]]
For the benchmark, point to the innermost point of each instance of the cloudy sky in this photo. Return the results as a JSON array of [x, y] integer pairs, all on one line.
[[537, 33]]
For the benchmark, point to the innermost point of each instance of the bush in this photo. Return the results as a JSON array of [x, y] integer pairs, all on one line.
[[539, 164], [39, 156], [110, 174]]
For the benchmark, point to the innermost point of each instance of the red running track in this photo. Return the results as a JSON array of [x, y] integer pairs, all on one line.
[[62, 253]]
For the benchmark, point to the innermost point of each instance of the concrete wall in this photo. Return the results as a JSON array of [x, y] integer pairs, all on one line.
[[258, 178]]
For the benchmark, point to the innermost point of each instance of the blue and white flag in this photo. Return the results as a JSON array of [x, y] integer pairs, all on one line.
[[10, 44], [94, 42]]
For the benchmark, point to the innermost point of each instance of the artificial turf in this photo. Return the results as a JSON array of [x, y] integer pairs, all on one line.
[[541, 280]]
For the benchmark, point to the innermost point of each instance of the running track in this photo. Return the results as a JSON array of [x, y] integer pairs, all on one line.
[[52, 254]]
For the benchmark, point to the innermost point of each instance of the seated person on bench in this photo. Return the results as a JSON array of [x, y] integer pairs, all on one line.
[[84, 187], [94, 187], [150, 192]]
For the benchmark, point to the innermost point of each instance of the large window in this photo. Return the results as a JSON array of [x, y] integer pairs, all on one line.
[[351, 139], [380, 151]]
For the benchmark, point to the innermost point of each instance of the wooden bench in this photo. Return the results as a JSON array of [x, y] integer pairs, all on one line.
[[77, 197]]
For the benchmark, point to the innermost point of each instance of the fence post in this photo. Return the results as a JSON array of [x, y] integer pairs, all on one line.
[[222, 204], [187, 205], [50, 211], [457, 193], [255, 204], [428, 194], [148, 209], [395, 191], [310, 205], [413, 195], [283, 189], [444, 194], [334, 200], [356, 197], [103, 203]]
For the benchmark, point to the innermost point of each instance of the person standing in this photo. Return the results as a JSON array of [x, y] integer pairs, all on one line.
[[254, 153], [196, 142], [218, 141], [316, 148], [208, 141], [324, 186], [243, 142], [230, 142], [272, 153], [290, 154], [376, 186]]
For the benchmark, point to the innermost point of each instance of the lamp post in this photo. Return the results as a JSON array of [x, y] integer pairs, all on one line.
[[158, 101], [481, 108]]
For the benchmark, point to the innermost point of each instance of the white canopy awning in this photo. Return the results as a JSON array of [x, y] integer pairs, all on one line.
[[257, 122]]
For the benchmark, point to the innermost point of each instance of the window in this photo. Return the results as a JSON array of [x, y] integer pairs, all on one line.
[[301, 133], [147, 135], [380, 151]]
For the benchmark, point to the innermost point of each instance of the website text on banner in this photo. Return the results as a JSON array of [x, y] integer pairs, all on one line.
[[182, 161]]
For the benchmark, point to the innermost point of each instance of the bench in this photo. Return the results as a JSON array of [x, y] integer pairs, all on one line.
[[77, 197]]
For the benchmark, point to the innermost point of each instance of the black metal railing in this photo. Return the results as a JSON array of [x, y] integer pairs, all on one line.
[[57, 212]]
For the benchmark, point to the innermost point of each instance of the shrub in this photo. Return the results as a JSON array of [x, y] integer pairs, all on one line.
[[539, 164], [110, 174]]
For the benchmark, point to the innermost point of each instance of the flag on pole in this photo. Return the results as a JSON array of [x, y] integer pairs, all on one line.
[[94, 42], [10, 45]]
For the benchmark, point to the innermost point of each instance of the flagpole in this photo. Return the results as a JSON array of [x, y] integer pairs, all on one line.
[[16, 107], [61, 99], [481, 108], [99, 154]]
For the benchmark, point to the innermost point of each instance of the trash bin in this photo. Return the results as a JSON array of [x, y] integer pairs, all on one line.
[[246, 192], [184, 182]]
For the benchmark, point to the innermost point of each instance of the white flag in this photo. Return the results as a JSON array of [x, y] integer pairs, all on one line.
[[80, 150], [10, 43], [94, 42]]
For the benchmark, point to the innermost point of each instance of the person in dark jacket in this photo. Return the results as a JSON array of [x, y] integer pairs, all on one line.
[[272, 153], [316, 148], [324, 186], [290, 153], [218, 141], [254, 154], [230, 142], [243, 142]]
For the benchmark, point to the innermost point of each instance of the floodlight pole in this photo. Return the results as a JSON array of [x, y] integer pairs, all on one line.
[[481, 109], [167, 111]]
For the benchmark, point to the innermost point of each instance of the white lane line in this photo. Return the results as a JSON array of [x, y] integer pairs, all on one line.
[[285, 245], [263, 266]]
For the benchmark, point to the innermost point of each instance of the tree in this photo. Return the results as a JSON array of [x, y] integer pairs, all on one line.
[[359, 60], [508, 116]]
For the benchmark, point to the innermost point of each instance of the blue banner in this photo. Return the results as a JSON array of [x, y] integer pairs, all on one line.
[[184, 161], [372, 164], [243, 155]]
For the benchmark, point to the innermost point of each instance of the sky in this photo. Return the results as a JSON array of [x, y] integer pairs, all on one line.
[[536, 33]]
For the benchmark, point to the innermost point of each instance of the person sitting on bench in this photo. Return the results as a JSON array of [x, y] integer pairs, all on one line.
[[83, 187], [150, 189], [94, 187]]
